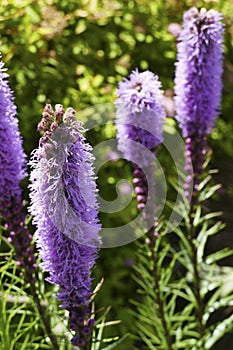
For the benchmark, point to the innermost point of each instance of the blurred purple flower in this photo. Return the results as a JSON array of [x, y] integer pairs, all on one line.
[[13, 170], [64, 206], [198, 83], [174, 29], [129, 262], [12, 157]]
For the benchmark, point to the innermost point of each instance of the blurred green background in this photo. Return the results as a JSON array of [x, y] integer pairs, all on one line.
[[75, 53]]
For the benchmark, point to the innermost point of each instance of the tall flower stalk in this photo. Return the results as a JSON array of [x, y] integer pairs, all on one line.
[[139, 118], [198, 87], [64, 207], [198, 83], [13, 170]]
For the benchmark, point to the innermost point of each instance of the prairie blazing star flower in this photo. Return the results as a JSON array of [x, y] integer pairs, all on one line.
[[12, 157], [198, 80], [12, 169], [139, 118], [64, 207], [198, 83], [139, 115]]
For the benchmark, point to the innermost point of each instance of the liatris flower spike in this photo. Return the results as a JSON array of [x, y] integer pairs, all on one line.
[[64, 207], [198, 83], [139, 118], [13, 170], [139, 115], [198, 80]]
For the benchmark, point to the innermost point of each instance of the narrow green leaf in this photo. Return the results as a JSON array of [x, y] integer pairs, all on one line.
[[203, 237], [186, 344], [209, 286], [221, 254], [25, 344], [212, 215], [100, 322], [197, 216], [148, 342], [184, 240], [181, 318], [220, 330], [186, 294], [207, 194], [109, 323], [151, 334], [144, 284], [162, 255], [115, 344], [204, 182]]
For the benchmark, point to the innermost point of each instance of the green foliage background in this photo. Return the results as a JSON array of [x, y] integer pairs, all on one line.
[[74, 53]]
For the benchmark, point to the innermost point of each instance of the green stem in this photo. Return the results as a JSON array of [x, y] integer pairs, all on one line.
[[87, 346], [197, 278]]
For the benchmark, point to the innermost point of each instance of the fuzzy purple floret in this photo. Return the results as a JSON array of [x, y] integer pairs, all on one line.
[[198, 83], [64, 207], [69, 264], [139, 115], [12, 157]]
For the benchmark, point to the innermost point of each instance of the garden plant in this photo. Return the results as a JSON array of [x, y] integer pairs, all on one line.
[[115, 221]]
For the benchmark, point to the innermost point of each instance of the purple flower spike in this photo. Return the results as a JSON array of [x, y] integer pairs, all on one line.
[[12, 157], [140, 115], [140, 118], [198, 83], [13, 170], [64, 206]]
